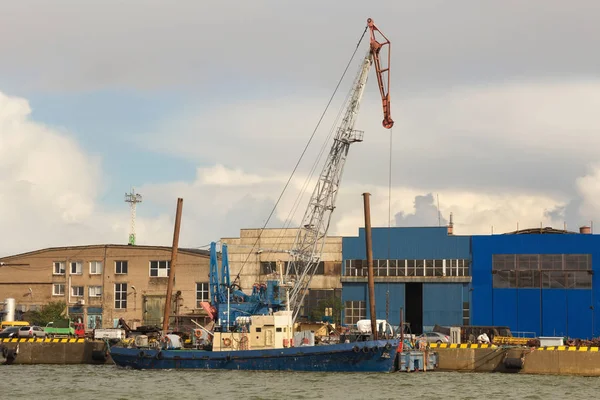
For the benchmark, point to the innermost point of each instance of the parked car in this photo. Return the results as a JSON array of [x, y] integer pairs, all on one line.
[[434, 337], [31, 331], [10, 332]]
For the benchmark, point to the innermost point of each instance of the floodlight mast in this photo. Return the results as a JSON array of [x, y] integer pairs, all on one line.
[[132, 198]]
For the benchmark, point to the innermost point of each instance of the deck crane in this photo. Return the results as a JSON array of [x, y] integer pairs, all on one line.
[[307, 249]]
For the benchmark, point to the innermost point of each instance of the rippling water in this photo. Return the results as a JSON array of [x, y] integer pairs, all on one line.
[[110, 382]]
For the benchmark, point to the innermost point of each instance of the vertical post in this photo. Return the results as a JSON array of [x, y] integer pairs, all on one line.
[[172, 266], [401, 328], [370, 264]]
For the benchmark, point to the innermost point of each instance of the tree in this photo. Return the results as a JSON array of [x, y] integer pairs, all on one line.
[[332, 302], [49, 312]]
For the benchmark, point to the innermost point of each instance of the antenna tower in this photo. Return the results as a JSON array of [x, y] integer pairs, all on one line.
[[132, 198]]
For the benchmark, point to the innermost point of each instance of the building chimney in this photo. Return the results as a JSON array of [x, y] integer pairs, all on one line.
[[585, 230], [450, 226]]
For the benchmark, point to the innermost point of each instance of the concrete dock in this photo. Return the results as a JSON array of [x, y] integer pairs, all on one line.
[[56, 351], [559, 360]]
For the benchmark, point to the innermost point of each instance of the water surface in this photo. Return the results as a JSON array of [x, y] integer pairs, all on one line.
[[89, 382]]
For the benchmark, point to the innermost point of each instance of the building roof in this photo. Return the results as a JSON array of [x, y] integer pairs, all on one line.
[[538, 231], [191, 251]]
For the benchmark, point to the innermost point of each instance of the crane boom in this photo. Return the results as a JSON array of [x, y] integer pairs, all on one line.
[[383, 74], [310, 239]]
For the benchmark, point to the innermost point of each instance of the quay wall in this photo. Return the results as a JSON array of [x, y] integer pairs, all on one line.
[[562, 360], [48, 352]]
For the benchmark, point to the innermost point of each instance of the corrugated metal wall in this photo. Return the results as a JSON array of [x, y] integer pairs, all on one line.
[[545, 312], [407, 243], [442, 303]]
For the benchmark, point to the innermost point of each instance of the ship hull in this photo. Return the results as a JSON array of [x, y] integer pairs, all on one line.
[[368, 356]]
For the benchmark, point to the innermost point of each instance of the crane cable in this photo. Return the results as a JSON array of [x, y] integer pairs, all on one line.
[[289, 219], [389, 222], [236, 280]]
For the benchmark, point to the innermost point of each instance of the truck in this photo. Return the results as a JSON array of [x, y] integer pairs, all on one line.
[[65, 328]]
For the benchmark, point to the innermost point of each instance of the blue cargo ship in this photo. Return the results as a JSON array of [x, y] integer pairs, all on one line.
[[368, 356], [253, 332]]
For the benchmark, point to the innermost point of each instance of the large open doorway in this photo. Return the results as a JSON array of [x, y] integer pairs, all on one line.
[[414, 307]]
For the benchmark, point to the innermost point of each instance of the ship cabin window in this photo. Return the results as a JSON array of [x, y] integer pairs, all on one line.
[[258, 329], [278, 330]]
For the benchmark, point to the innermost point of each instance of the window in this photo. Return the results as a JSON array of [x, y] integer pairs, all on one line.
[[202, 293], [160, 269], [59, 268], [547, 271], [120, 267], [268, 267], [95, 267], [528, 261], [95, 291], [58, 289], [120, 295], [76, 267], [503, 262], [438, 268], [77, 291], [354, 312], [580, 262], [320, 268]]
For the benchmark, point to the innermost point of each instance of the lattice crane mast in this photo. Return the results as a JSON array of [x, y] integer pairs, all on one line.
[[308, 245]]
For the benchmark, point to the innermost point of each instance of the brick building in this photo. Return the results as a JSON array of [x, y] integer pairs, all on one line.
[[102, 283]]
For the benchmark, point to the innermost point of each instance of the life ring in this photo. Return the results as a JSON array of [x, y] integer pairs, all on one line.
[[198, 334], [226, 342]]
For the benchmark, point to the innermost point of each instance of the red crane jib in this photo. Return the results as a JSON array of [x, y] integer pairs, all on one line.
[[383, 74]]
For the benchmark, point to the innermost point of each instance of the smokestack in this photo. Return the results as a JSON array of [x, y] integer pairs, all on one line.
[[450, 226], [585, 230]]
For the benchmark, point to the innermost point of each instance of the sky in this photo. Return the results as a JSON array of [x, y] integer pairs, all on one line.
[[495, 108]]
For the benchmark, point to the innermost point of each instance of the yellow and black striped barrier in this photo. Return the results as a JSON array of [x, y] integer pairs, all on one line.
[[569, 348], [461, 346], [42, 340], [492, 346]]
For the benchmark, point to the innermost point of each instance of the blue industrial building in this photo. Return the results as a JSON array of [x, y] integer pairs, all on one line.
[[423, 270], [538, 281]]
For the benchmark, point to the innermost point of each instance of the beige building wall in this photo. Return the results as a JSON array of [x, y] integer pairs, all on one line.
[[273, 245], [37, 278]]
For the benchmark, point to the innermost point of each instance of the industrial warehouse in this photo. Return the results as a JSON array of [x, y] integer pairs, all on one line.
[[537, 282]]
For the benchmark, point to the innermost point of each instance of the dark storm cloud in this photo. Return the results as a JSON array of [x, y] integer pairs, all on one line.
[[425, 214]]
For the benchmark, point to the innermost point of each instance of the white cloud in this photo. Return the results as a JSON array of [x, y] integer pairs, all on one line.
[[515, 169], [49, 189], [497, 155], [588, 187]]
